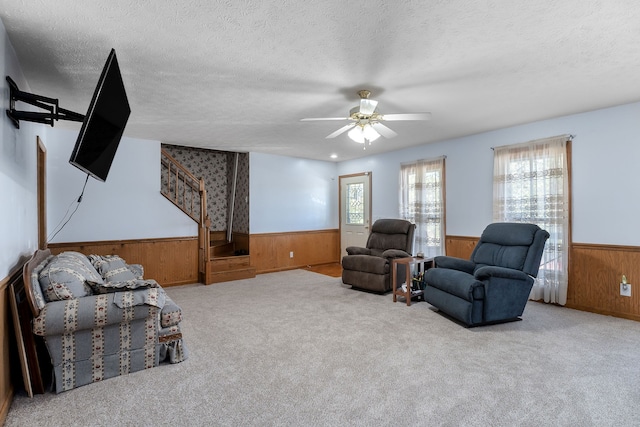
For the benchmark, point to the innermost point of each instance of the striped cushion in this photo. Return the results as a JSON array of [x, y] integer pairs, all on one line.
[[112, 268], [67, 276]]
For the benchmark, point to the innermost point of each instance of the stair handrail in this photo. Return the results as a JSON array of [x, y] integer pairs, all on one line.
[[180, 174], [196, 185]]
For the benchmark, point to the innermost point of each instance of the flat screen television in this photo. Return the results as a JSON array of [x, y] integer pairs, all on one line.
[[103, 124]]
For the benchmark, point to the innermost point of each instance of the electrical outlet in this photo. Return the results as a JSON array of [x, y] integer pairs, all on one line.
[[291, 254], [625, 292]]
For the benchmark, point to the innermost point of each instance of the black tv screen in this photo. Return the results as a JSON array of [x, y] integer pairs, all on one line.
[[103, 124]]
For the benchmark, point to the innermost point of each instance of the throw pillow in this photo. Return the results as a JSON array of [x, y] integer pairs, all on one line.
[[113, 269], [67, 276]]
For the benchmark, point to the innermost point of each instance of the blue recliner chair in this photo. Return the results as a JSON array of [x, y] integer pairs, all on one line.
[[494, 285]]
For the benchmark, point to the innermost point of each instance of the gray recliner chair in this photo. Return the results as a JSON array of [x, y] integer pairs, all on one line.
[[494, 285], [370, 268]]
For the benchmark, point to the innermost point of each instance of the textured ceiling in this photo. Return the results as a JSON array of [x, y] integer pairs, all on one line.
[[238, 75]]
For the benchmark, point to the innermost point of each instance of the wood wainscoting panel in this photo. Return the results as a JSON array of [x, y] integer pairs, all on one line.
[[460, 246], [271, 251], [6, 386], [170, 261], [595, 273]]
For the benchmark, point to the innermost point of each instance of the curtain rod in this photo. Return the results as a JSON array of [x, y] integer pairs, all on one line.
[[567, 135], [432, 159]]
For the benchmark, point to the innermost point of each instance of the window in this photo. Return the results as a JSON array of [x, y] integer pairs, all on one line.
[[531, 184], [422, 202], [355, 203]]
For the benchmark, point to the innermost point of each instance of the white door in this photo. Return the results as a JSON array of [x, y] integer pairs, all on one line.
[[355, 210]]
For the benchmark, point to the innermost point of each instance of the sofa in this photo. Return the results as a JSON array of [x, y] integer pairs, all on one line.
[[369, 268], [493, 286], [99, 317]]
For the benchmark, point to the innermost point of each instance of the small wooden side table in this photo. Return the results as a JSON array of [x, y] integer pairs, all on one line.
[[424, 263]]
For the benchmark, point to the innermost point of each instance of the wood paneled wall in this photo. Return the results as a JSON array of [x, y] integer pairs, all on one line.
[[174, 261], [7, 343], [595, 272], [270, 252], [169, 261], [460, 246]]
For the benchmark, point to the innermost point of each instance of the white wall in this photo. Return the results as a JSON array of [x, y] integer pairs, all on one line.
[[127, 206], [606, 150], [18, 216], [291, 194]]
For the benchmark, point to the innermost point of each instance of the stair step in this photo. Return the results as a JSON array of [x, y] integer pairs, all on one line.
[[230, 263], [221, 249], [229, 275], [225, 269]]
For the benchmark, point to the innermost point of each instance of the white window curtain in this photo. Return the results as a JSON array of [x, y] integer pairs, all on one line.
[[531, 184], [422, 203]]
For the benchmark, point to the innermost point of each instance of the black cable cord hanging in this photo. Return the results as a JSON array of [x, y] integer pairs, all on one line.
[[72, 213]]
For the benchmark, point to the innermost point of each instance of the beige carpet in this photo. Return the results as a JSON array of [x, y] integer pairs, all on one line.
[[300, 349]]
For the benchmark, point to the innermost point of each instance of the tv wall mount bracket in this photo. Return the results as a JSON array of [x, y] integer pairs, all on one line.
[[55, 112]]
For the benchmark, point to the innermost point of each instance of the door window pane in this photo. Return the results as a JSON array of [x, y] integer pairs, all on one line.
[[355, 203]]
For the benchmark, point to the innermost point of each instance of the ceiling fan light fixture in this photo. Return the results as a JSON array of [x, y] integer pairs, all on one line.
[[366, 121], [362, 133], [370, 133]]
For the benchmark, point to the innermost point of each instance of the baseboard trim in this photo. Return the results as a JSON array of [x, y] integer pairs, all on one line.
[[603, 312]]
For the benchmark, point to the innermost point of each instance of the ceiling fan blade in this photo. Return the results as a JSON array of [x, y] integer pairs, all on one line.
[[406, 116], [368, 106], [383, 130], [312, 119], [343, 129]]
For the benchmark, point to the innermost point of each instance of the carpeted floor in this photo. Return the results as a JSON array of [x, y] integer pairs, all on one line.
[[298, 348]]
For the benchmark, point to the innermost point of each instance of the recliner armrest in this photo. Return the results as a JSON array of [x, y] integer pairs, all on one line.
[[454, 263], [395, 253], [484, 273], [355, 250]]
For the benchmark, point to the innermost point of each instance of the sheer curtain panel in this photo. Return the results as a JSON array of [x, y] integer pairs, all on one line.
[[531, 184], [422, 202]]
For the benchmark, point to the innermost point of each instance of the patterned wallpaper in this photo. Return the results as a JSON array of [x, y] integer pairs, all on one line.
[[216, 168], [241, 206]]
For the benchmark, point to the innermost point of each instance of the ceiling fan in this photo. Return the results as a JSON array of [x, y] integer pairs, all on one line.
[[366, 121]]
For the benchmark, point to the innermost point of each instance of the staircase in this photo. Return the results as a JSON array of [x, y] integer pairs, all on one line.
[[227, 262], [218, 258]]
